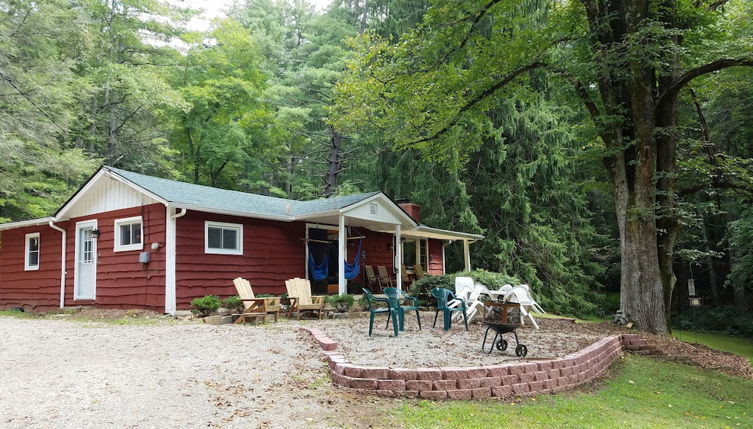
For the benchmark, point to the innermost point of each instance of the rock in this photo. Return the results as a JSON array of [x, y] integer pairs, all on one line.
[[213, 320]]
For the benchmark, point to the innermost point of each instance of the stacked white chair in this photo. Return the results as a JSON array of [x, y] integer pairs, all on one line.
[[521, 295]]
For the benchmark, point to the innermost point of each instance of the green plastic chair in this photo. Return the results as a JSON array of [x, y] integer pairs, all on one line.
[[443, 296], [396, 295], [374, 308]]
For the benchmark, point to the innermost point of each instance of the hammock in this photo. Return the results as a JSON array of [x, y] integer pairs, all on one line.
[[318, 272], [352, 270]]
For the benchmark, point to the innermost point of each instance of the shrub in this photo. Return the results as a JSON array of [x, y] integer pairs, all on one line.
[[205, 305], [341, 302], [724, 320], [421, 289], [232, 303]]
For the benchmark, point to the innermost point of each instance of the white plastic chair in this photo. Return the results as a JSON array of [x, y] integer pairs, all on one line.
[[521, 295], [461, 284]]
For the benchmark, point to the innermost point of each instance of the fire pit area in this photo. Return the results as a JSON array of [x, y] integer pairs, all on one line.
[[437, 364]]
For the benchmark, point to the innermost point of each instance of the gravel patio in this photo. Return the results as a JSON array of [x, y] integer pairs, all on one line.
[[78, 374]]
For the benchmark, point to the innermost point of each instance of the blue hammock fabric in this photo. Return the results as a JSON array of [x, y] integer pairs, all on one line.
[[318, 272], [352, 270]]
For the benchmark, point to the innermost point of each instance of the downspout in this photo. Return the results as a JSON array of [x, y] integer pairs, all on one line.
[[444, 259], [170, 256], [62, 262]]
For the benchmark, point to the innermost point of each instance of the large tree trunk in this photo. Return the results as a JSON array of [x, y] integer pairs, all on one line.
[[334, 163]]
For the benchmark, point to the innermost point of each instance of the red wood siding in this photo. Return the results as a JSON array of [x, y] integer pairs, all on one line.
[[435, 257], [378, 247], [37, 290], [122, 281], [272, 253]]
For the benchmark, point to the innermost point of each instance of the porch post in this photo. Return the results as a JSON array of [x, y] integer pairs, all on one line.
[[341, 255], [398, 258], [467, 255]]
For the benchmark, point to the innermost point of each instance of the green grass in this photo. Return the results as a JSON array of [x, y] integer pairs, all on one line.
[[736, 345], [19, 314], [643, 394]]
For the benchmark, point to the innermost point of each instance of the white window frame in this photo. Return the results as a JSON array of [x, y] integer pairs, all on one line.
[[238, 227], [128, 221], [27, 239]]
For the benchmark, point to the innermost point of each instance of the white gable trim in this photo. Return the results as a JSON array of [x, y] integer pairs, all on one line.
[[136, 187], [102, 174], [394, 208]]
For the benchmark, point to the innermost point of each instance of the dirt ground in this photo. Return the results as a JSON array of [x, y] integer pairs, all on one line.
[[76, 374]]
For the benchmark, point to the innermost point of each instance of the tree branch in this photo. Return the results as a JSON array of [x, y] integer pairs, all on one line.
[[479, 98], [10, 82], [711, 67]]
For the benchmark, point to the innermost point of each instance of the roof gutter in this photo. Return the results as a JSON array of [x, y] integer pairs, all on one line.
[[62, 261], [24, 223], [233, 212]]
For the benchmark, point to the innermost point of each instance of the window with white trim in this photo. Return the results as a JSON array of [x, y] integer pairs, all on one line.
[[129, 234], [31, 259], [223, 238]]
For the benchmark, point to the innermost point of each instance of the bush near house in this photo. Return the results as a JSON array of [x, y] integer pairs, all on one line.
[[233, 303], [421, 289], [205, 305]]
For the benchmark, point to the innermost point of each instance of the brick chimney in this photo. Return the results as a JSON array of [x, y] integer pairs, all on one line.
[[413, 210]]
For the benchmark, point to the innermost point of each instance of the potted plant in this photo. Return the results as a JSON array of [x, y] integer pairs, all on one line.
[[341, 302]]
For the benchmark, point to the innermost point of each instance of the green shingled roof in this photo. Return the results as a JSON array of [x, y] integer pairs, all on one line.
[[234, 201]]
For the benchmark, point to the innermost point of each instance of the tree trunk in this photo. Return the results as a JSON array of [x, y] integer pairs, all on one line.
[[334, 163], [641, 289]]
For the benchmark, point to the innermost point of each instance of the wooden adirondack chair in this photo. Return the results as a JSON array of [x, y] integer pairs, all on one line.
[[299, 291], [404, 275], [385, 279], [371, 279], [419, 272], [255, 307]]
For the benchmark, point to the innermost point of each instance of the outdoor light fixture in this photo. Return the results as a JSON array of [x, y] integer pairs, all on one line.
[[95, 233]]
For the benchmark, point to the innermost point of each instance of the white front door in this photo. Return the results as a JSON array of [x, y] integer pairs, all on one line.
[[86, 261]]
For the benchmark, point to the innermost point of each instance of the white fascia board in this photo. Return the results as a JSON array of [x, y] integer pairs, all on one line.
[[104, 172], [443, 234], [231, 212], [316, 215], [136, 187], [72, 202], [25, 223], [388, 202]]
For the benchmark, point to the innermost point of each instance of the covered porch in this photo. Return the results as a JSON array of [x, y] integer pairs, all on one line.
[[376, 232]]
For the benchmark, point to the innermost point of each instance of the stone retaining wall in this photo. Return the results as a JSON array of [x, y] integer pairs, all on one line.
[[518, 379]]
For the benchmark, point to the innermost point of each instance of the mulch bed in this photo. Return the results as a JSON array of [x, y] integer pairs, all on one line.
[[695, 354]]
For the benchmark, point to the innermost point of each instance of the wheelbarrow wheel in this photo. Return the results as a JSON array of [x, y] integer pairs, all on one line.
[[521, 350], [502, 344]]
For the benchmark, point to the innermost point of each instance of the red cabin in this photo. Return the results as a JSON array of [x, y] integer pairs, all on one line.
[[127, 240]]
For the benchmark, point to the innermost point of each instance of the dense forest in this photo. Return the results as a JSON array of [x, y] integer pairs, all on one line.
[[598, 145]]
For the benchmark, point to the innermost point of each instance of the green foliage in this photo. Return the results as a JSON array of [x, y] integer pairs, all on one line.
[[724, 320], [233, 303], [741, 244], [341, 302], [421, 288], [205, 305]]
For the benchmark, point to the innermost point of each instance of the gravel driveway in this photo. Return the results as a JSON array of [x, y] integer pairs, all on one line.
[[73, 374]]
